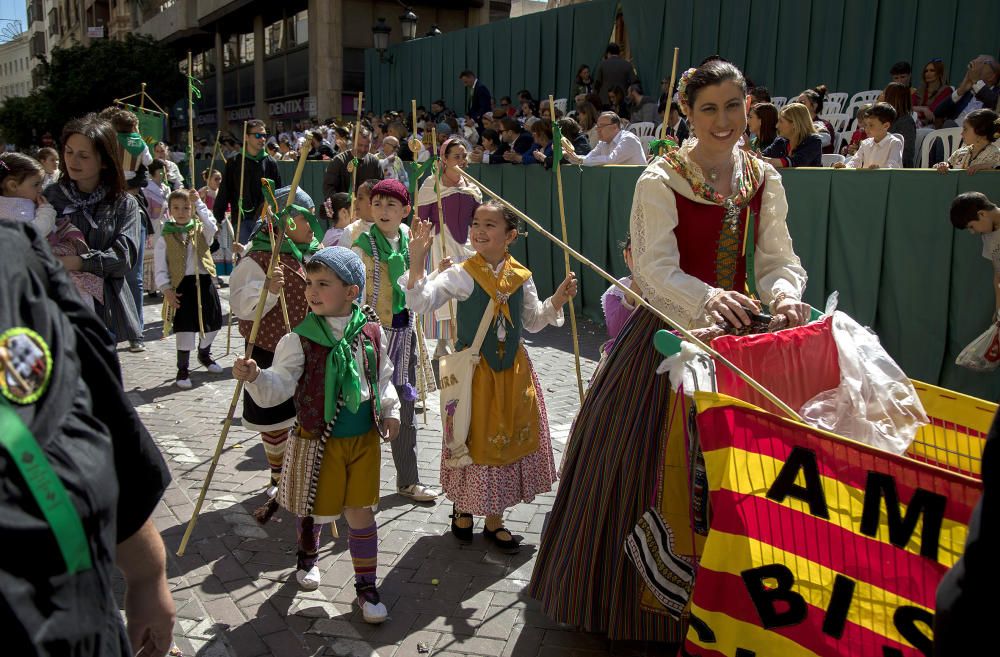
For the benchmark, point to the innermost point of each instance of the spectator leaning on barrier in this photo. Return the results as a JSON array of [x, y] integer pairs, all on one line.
[[798, 145], [616, 146]]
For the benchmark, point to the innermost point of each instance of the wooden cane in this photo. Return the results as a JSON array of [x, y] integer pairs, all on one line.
[[565, 236], [243, 169], [354, 169], [439, 173], [258, 314], [236, 234], [638, 300], [670, 99]]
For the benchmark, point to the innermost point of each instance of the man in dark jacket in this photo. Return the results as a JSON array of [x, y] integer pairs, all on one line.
[[480, 101], [613, 71], [980, 88], [339, 172], [516, 137], [79, 475], [966, 608], [258, 165]]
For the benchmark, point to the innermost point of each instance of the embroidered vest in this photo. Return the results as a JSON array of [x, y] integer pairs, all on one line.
[[309, 393], [177, 255], [272, 324], [698, 224], [470, 312]]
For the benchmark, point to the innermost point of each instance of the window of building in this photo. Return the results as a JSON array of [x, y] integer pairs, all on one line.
[[246, 48], [229, 49], [298, 29], [273, 38]]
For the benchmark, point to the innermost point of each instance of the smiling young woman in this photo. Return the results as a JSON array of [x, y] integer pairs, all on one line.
[[690, 213]]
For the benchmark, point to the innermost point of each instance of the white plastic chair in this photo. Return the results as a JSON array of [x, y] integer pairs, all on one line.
[[950, 137], [642, 128], [779, 101], [560, 104], [646, 140], [834, 103], [829, 159], [861, 99], [844, 136]]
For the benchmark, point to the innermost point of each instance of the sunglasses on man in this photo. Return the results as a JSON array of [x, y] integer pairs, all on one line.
[[259, 135]]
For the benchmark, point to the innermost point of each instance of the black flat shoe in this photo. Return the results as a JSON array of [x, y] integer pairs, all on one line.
[[463, 534], [507, 546]]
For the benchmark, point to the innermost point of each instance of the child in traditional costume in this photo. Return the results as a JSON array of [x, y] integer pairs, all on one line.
[[362, 220], [459, 200], [617, 308], [338, 211], [506, 457], [185, 275], [384, 249], [249, 276], [336, 367]]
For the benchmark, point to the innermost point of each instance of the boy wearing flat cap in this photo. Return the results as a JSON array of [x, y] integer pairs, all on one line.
[[335, 366]]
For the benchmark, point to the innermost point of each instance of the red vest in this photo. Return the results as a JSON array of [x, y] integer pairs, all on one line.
[[272, 324], [699, 234], [311, 389]]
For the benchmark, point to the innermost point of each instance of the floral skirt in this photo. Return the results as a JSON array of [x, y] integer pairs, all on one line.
[[491, 489]]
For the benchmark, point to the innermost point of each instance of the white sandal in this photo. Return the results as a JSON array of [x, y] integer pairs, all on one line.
[[419, 493]]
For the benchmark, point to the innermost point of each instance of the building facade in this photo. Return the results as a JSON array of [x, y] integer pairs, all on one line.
[[287, 62], [15, 72]]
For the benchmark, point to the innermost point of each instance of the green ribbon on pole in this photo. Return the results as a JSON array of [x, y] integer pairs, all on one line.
[[660, 146], [48, 491], [193, 83], [557, 151], [416, 172]]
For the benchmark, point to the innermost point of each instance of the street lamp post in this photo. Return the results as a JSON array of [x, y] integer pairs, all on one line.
[[408, 23]]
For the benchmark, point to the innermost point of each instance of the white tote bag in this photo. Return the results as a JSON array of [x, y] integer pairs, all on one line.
[[456, 371]]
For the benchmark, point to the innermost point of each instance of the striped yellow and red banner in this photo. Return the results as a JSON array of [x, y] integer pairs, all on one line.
[[818, 546]]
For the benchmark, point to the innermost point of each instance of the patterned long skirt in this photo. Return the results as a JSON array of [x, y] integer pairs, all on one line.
[[609, 478]]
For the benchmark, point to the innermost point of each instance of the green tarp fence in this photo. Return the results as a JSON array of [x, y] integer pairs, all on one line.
[[882, 239], [785, 45]]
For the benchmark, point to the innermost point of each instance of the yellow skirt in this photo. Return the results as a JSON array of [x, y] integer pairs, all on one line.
[[504, 425]]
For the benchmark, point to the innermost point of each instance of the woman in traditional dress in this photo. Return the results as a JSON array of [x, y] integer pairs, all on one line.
[[459, 200], [690, 212]]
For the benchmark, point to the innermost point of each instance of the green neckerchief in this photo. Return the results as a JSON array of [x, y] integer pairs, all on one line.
[[132, 142], [342, 376], [262, 242], [396, 261], [255, 158], [46, 488], [171, 227]]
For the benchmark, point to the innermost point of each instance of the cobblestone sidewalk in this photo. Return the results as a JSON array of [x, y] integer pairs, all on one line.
[[235, 589]]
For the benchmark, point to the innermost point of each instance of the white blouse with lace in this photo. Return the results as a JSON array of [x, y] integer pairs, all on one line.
[[657, 258]]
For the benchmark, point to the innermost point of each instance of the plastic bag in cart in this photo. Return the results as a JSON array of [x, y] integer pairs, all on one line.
[[875, 403], [983, 353]]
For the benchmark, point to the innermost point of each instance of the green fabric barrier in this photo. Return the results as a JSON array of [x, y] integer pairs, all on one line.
[[786, 45], [880, 238]]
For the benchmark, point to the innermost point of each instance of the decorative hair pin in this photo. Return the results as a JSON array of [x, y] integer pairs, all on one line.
[[683, 83]]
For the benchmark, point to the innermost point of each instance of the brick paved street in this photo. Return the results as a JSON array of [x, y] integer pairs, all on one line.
[[232, 587]]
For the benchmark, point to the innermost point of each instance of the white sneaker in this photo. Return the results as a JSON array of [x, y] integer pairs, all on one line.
[[308, 579], [419, 493], [184, 383], [214, 368], [372, 609]]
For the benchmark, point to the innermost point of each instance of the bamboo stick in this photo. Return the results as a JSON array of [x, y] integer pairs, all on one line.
[[354, 169], [642, 302], [276, 240], [670, 98], [565, 236]]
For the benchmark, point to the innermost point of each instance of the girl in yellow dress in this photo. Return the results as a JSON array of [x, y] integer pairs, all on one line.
[[509, 456]]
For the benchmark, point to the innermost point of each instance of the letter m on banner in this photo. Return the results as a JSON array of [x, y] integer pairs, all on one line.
[[818, 546]]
